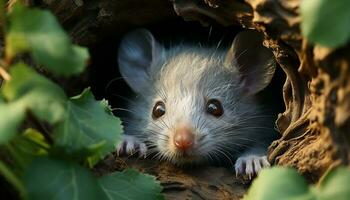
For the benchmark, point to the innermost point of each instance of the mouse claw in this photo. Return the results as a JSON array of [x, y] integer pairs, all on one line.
[[239, 167], [130, 145], [250, 166], [142, 150], [119, 148]]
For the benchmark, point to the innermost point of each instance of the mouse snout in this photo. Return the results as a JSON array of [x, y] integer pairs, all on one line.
[[183, 139]]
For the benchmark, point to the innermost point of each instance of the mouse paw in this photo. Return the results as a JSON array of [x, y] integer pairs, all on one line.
[[250, 165], [130, 145]]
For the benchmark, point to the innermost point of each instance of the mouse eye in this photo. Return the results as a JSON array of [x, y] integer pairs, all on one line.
[[214, 107], [158, 110]]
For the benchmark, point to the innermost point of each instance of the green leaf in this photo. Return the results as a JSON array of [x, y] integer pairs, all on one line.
[[25, 147], [6, 172], [88, 124], [27, 89], [278, 183], [130, 184], [48, 179], [335, 185], [38, 32], [36, 138], [9, 124], [326, 22]]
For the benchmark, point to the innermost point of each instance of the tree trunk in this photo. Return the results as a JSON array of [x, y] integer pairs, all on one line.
[[315, 124]]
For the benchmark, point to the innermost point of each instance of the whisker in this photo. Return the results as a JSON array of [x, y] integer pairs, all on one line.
[[122, 97], [122, 109], [112, 81]]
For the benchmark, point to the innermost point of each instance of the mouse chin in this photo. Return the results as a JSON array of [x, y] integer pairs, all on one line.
[[183, 159]]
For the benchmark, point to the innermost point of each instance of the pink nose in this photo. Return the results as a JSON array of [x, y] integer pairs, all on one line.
[[183, 139]]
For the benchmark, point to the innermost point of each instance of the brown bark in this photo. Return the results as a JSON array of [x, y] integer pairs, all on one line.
[[205, 182], [315, 124]]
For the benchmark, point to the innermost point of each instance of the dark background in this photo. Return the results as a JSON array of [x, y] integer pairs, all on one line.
[[105, 79]]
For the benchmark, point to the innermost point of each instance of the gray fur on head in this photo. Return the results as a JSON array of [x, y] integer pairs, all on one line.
[[184, 78]]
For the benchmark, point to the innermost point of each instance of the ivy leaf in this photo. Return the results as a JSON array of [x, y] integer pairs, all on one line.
[[29, 90], [326, 23], [22, 150], [335, 185], [25, 147], [278, 183], [38, 32], [9, 124], [130, 184], [48, 179], [88, 125]]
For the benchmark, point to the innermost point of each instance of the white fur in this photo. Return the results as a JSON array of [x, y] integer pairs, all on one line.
[[184, 78]]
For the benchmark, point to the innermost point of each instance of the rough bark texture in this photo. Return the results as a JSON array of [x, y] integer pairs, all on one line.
[[315, 124], [206, 182]]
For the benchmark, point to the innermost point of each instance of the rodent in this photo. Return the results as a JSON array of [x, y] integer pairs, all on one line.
[[197, 104]]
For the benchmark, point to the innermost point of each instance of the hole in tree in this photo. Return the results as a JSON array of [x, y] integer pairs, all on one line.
[[106, 81]]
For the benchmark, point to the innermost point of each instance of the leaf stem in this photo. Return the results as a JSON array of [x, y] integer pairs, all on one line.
[[37, 144], [40, 128], [12, 178], [3, 73], [15, 156]]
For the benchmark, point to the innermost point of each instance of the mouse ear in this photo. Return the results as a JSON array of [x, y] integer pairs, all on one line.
[[138, 51], [254, 62]]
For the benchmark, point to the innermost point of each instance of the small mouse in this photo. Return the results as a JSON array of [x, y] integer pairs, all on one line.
[[198, 104]]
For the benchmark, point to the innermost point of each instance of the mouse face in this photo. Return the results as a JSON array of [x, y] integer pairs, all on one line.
[[193, 104], [195, 101]]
